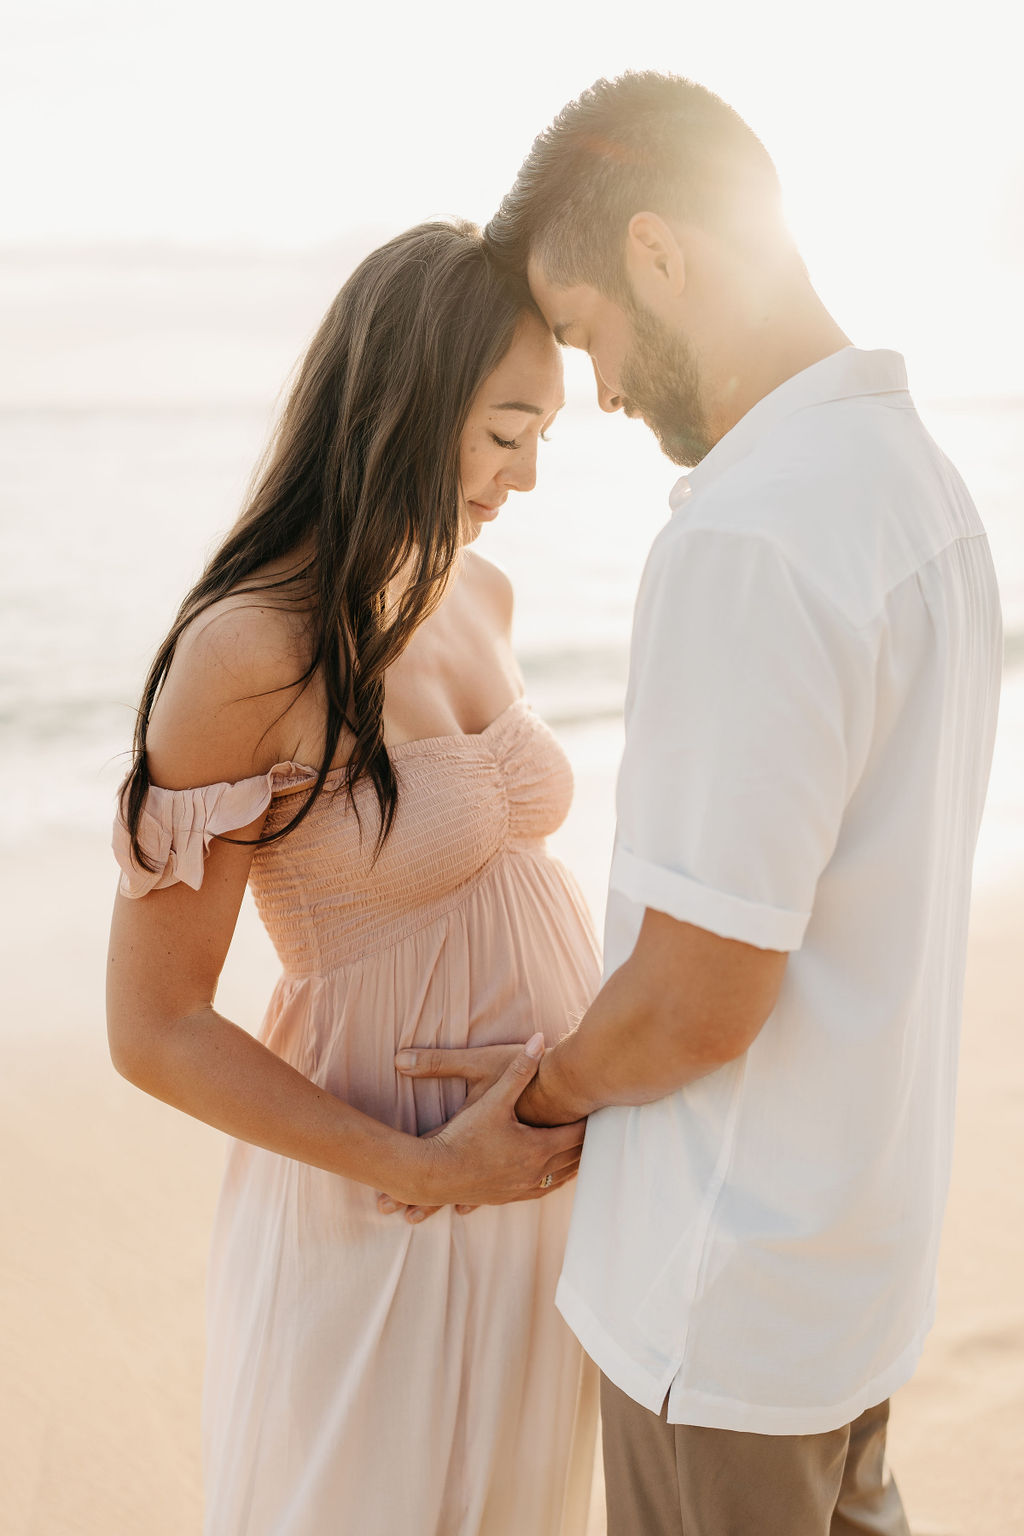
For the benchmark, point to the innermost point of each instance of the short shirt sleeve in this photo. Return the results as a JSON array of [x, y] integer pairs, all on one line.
[[749, 695]]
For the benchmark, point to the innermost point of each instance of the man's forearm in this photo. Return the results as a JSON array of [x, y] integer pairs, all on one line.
[[685, 1003], [626, 1050]]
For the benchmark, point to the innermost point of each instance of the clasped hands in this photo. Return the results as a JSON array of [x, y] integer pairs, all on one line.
[[485, 1154]]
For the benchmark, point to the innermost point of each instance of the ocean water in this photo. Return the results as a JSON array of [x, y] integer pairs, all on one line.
[[136, 393]]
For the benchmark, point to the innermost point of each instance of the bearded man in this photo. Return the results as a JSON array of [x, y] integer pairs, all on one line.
[[769, 1068]]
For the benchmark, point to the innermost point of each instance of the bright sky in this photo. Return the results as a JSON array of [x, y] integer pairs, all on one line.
[[897, 127]]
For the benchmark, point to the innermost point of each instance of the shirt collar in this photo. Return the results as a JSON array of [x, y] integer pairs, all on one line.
[[841, 376]]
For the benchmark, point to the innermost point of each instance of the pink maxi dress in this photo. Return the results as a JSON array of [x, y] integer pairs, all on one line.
[[367, 1377]]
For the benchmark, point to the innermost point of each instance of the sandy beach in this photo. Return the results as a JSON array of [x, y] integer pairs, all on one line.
[[190, 189], [107, 1198]]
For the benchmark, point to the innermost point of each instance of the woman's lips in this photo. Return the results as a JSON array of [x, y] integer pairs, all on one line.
[[485, 513]]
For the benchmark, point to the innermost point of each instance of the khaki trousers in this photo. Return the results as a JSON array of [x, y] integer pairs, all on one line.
[[681, 1480]]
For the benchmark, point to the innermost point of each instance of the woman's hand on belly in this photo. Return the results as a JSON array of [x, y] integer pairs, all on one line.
[[482, 1157]]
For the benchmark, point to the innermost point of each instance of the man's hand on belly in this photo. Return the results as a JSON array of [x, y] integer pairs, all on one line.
[[479, 1066]]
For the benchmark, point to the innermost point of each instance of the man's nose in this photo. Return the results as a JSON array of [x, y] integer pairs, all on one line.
[[607, 398]]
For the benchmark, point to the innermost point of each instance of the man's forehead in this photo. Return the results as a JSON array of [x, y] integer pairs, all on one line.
[[561, 307], [544, 291]]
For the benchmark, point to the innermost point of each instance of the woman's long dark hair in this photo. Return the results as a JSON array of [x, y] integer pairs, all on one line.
[[360, 484]]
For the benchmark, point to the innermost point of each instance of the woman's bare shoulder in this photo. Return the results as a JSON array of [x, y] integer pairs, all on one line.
[[489, 585], [237, 668]]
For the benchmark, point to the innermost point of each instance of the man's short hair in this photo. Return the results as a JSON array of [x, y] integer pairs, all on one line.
[[643, 142]]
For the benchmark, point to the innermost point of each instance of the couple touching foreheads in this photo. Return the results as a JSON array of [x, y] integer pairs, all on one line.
[[471, 1188]]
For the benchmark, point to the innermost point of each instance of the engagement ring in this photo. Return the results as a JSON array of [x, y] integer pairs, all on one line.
[[545, 1182]]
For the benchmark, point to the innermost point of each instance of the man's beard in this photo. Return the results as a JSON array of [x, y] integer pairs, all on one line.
[[661, 383]]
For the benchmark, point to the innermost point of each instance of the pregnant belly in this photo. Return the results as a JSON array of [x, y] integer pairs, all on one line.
[[518, 956]]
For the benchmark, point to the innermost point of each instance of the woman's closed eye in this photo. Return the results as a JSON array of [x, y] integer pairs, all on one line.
[[504, 442]]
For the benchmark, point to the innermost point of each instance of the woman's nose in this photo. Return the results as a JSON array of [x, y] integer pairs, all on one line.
[[521, 474], [607, 398]]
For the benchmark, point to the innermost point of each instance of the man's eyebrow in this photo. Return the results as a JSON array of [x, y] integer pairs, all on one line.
[[560, 330], [518, 405]]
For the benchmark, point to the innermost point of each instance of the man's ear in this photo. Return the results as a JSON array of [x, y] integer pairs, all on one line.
[[655, 262]]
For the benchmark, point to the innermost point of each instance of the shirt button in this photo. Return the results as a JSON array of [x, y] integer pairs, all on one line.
[[680, 493]]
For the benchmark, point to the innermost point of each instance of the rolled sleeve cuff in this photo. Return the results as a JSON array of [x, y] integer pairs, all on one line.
[[731, 917]]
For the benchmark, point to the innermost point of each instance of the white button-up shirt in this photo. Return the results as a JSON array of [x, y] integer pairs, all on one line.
[[809, 726]]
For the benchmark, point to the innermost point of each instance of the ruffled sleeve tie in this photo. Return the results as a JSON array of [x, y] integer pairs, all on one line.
[[177, 826]]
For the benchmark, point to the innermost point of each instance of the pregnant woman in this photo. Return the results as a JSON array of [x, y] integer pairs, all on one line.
[[336, 717]]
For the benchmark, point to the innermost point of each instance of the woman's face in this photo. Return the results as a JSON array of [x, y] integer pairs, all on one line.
[[513, 406]]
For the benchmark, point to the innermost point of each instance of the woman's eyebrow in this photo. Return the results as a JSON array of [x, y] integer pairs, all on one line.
[[518, 405]]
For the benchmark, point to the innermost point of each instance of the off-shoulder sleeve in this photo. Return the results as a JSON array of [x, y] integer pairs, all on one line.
[[177, 826]]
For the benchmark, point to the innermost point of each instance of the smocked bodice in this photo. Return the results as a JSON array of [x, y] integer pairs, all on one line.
[[464, 802]]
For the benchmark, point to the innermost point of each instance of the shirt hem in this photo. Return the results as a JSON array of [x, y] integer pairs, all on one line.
[[613, 1361], [706, 1411]]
